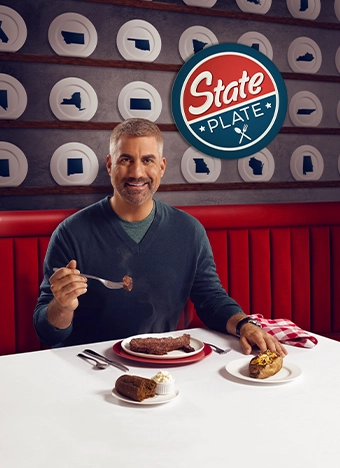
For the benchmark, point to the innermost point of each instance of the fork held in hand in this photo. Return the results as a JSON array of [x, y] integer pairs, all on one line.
[[107, 283]]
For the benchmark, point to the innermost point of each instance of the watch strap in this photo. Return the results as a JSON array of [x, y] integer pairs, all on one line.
[[243, 322]]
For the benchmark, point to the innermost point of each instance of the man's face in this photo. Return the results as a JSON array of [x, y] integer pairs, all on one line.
[[136, 169]]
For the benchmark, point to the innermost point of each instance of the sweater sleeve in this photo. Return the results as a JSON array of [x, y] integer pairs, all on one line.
[[58, 255], [212, 303]]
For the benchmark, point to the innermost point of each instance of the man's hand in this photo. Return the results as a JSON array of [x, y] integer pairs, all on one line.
[[66, 285], [251, 335]]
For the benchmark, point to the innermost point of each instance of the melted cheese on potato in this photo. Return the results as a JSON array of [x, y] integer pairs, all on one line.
[[265, 358]]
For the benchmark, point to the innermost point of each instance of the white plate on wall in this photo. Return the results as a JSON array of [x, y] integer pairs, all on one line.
[[253, 38], [13, 97], [260, 7], [74, 164], [304, 9], [304, 55], [200, 3], [139, 40], [257, 168], [13, 165], [337, 9], [239, 368], [195, 39], [305, 109], [139, 99], [13, 30], [73, 99], [199, 168], [71, 34], [306, 163]]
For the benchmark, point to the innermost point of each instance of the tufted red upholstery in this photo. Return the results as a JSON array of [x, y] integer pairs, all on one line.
[[280, 260]]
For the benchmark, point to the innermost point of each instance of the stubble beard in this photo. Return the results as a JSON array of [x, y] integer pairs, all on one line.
[[134, 196]]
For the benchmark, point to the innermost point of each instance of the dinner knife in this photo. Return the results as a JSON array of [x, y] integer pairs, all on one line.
[[109, 361]]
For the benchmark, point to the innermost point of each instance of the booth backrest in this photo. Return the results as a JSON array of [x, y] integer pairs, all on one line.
[[279, 260]]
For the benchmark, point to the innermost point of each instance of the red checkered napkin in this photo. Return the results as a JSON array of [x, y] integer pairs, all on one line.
[[286, 332]]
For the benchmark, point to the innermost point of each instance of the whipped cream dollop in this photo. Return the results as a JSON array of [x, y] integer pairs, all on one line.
[[163, 377]]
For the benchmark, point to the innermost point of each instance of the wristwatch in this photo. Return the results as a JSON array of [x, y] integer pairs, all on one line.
[[243, 322]]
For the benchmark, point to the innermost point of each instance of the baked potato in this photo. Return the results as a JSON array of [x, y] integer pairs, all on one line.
[[265, 365]]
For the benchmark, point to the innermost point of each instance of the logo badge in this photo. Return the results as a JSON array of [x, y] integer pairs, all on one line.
[[229, 101]]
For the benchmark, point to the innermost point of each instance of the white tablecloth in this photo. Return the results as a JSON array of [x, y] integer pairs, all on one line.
[[57, 411]]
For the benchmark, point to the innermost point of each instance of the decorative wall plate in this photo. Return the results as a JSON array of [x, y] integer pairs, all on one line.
[[200, 3], [194, 39], [254, 6], [13, 165], [304, 9], [13, 30], [74, 164], [306, 163], [73, 99], [139, 40], [71, 34], [337, 9], [304, 55], [13, 97], [305, 109], [199, 168], [337, 59], [257, 168], [257, 41], [139, 99]]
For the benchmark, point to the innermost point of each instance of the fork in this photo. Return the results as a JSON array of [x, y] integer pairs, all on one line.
[[107, 283], [219, 350]]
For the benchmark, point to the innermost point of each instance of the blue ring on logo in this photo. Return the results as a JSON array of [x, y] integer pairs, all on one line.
[[229, 153]]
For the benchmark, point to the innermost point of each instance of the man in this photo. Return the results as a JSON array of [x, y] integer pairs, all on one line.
[[164, 250]]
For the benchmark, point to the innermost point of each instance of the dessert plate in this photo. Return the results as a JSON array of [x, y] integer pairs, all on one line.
[[156, 400], [177, 354], [207, 350], [240, 369]]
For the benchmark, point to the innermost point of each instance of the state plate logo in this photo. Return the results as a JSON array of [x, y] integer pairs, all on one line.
[[229, 101]]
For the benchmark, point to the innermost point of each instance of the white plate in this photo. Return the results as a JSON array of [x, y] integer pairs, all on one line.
[[305, 109], [337, 9], [337, 59], [200, 3], [156, 400], [252, 38], [261, 6], [177, 354], [200, 168], [195, 39], [257, 168], [139, 99], [304, 9], [13, 165], [306, 163], [13, 29], [13, 97], [71, 34], [74, 164], [304, 55], [139, 40], [240, 369], [80, 106]]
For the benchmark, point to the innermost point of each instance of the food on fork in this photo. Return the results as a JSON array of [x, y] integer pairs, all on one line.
[[127, 283], [135, 387], [265, 365], [160, 346]]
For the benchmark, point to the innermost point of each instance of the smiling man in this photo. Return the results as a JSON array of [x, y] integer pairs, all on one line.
[[165, 251]]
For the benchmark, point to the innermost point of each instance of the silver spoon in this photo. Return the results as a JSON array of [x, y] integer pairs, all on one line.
[[99, 365]]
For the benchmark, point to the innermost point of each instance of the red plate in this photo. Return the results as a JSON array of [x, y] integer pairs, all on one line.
[[206, 351]]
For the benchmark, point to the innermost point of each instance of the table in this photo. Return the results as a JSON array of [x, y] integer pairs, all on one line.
[[58, 411]]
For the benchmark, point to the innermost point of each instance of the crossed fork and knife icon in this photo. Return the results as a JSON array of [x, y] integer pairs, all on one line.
[[242, 132]]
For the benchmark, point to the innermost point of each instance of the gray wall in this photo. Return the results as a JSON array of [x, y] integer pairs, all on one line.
[[39, 78]]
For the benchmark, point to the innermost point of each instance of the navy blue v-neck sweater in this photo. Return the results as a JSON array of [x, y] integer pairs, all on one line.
[[172, 263]]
